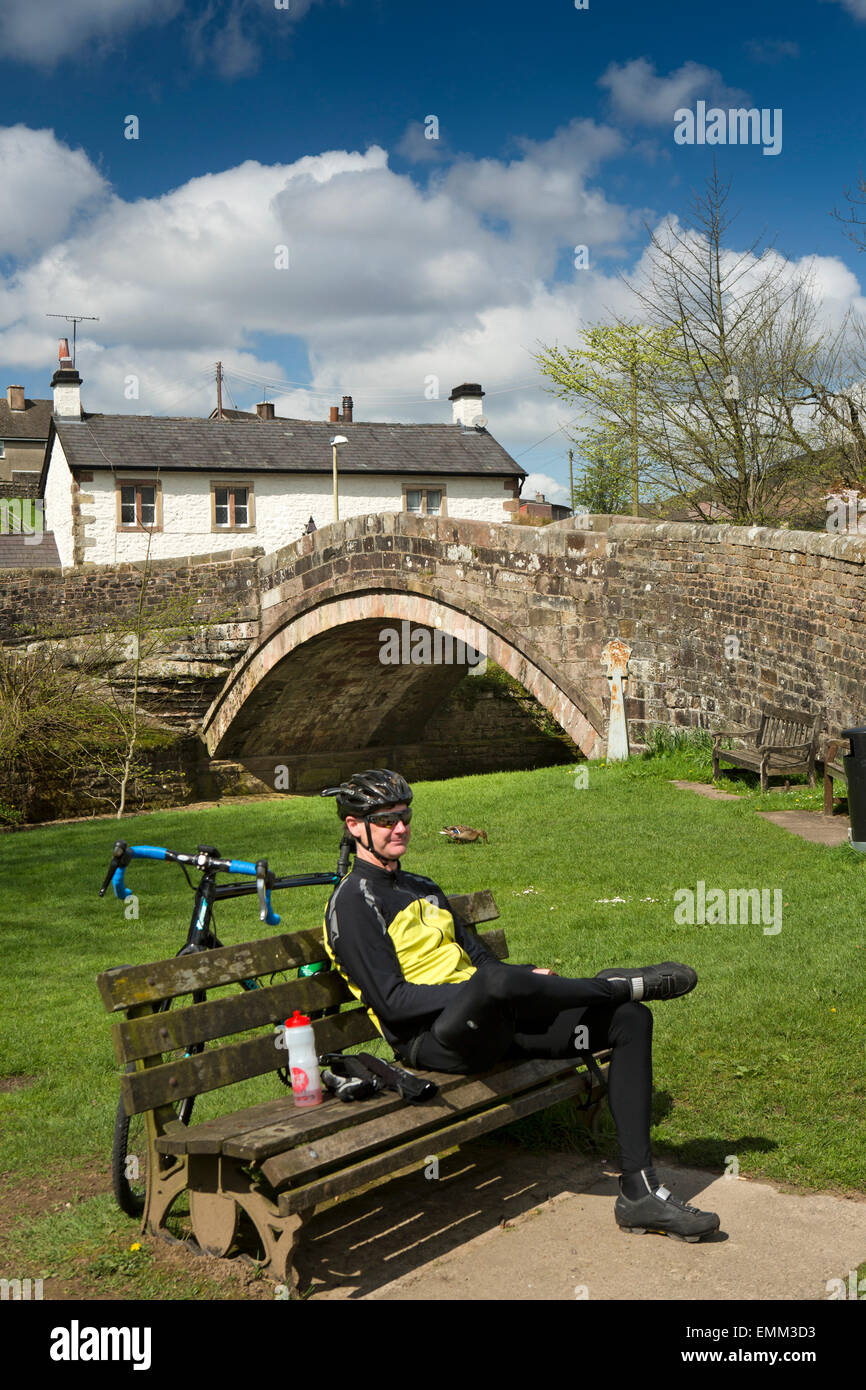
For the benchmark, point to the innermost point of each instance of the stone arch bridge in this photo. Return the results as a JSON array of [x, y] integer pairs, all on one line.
[[287, 647]]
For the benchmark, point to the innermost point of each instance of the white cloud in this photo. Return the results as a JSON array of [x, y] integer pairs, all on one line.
[[640, 95], [225, 35], [44, 182], [395, 289], [421, 144], [541, 482], [855, 7], [45, 32]]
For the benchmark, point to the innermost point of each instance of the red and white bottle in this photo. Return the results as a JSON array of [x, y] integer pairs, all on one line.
[[303, 1061]]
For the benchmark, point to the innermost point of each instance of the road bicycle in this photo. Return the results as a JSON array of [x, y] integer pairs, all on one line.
[[128, 1164]]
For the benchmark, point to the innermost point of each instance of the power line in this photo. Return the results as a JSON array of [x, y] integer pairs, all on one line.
[[326, 392], [558, 429]]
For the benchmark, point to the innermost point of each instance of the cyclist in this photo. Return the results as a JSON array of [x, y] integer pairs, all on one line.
[[444, 1002]]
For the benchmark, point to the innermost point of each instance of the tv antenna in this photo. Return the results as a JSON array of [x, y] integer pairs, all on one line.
[[74, 319]]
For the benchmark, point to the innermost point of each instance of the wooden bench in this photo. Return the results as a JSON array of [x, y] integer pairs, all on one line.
[[275, 1162], [784, 745]]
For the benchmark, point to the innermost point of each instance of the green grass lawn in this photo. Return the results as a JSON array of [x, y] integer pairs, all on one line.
[[763, 1061]]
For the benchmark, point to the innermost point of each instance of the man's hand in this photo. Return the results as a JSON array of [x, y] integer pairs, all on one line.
[[539, 971]]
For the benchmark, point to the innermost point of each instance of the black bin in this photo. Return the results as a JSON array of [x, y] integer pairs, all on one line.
[[855, 773]]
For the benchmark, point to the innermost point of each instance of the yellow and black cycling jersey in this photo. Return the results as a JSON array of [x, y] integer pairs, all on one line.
[[393, 938]]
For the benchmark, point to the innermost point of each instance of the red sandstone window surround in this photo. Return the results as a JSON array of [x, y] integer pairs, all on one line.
[[424, 500], [139, 504], [232, 507]]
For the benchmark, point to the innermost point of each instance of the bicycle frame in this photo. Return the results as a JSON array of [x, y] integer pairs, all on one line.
[[200, 937]]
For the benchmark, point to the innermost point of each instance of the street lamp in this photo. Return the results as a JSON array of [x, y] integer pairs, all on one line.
[[338, 439]]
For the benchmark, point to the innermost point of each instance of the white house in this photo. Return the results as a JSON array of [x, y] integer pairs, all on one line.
[[194, 486]]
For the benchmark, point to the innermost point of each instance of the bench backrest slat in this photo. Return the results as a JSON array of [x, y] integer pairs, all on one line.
[[127, 986], [216, 1067], [146, 1037], [785, 726], [177, 1029]]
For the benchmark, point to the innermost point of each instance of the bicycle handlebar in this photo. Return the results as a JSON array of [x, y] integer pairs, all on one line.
[[207, 861]]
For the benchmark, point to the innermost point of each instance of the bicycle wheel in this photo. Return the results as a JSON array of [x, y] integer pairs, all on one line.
[[129, 1150]]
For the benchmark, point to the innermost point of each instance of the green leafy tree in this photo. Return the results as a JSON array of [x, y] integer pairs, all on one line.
[[610, 372], [714, 388], [606, 484]]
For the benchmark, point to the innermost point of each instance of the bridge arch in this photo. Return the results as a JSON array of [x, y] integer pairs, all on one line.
[[317, 679]]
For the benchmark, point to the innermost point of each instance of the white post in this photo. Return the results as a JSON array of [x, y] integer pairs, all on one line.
[[615, 656]]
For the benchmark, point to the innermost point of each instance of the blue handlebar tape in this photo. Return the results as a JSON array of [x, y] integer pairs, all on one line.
[[120, 889], [240, 866], [148, 852], [272, 918]]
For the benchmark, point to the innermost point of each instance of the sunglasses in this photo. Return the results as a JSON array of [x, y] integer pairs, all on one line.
[[390, 818]]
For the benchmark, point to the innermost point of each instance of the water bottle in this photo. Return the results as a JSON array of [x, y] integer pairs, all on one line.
[[303, 1061]]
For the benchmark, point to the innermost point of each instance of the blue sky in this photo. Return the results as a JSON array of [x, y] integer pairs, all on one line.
[[413, 264]]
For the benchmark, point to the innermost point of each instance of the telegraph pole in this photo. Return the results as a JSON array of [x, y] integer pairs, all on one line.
[[571, 478], [219, 390]]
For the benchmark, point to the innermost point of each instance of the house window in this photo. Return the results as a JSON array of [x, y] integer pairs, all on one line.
[[139, 506], [2, 448], [424, 501], [232, 507]]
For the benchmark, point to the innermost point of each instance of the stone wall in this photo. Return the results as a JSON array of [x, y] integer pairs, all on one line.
[[721, 619], [202, 589]]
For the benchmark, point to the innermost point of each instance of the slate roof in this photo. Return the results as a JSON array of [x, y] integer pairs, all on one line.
[[142, 443], [17, 553], [30, 423]]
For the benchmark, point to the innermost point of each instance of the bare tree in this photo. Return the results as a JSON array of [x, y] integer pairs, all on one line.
[[745, 335]]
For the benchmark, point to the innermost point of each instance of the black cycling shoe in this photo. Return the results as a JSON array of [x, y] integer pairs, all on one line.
[[665, 981], [660, 1212]]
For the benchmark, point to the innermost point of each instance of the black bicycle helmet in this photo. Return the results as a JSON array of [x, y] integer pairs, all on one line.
[[367, 792], [362, 796]]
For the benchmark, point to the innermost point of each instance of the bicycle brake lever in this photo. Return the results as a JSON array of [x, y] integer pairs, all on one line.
[[261, 888], [120, 859]]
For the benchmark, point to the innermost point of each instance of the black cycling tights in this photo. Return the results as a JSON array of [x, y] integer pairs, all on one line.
[[510, 1012]]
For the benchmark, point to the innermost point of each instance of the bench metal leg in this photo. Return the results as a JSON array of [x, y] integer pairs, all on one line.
[[163, 1189], [220, 1190], [277, 1234]]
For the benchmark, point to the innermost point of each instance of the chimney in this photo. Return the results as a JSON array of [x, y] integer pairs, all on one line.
[[66, 385], [265, 410], [539, 497], [15, 397], [346, 417], [335, 415], [466, 403]]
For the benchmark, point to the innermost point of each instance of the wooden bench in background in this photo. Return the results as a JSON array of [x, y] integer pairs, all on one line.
[[273, 1163], [784, 744]]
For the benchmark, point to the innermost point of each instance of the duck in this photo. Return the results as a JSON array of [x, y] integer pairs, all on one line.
[[464, 834]]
